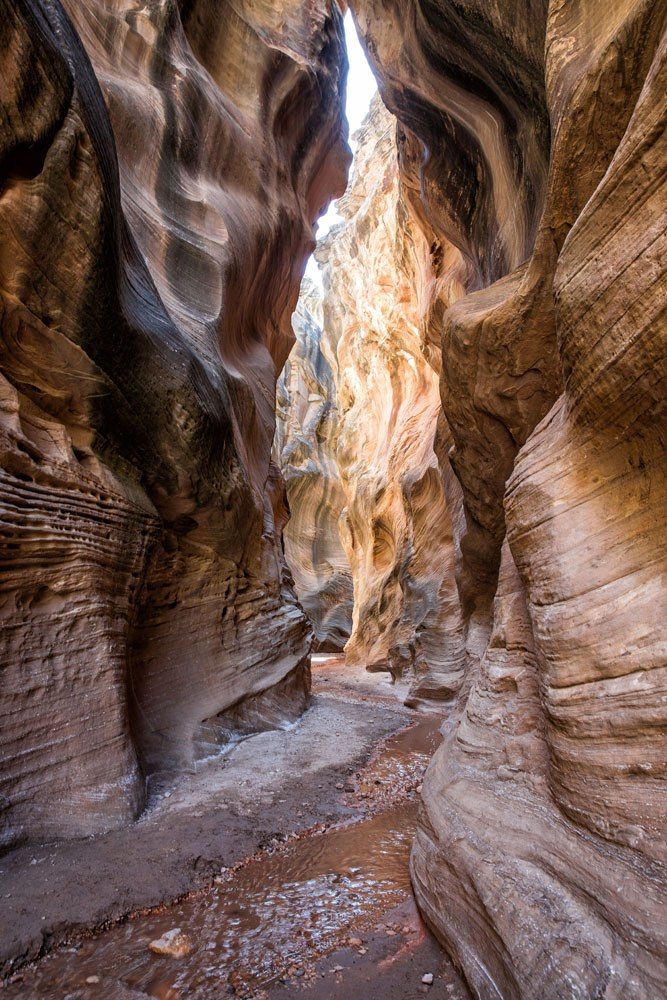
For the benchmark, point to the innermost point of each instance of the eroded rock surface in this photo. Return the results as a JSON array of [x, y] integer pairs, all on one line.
[[307, 420], [161, 169], [161, 166], [395, 526], [533, 144]]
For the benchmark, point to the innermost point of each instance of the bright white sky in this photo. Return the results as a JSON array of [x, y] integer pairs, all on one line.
[[361, 86]]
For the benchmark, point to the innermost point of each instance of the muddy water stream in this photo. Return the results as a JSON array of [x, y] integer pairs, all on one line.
[[273, 915]]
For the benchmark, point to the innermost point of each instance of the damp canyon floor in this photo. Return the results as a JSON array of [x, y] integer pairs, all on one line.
[[284, 863]]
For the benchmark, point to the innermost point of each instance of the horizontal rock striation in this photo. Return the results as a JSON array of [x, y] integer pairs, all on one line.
[[161, 168], [162, 165], [533, 144], [305, 445]]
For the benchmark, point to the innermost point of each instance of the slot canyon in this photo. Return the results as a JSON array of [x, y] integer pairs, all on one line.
[[332, 499]]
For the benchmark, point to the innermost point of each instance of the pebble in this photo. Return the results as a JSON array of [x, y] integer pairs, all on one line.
[[355, 942], [173, 942], [91, 980], [427, 978]]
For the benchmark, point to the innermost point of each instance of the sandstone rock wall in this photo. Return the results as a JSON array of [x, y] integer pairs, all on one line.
[[161, 168], [307, 420], [395, 525], [534, 145]]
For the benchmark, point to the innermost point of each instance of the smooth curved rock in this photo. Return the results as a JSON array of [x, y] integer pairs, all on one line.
[[540, 860], [396, 526], [161, 170], [305, 444]]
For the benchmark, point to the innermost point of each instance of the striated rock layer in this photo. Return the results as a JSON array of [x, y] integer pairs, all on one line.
[[307, 419], [532, 141], [161, 168]]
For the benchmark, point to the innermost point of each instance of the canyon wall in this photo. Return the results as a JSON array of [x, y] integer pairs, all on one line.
[[532, 144], [305, 445], [395, 523], [161, 169], [357, 435]]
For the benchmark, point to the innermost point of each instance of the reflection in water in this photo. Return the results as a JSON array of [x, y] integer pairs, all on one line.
[[278, 911]]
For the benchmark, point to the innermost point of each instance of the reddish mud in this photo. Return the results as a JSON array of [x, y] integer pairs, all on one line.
[[329, 913]]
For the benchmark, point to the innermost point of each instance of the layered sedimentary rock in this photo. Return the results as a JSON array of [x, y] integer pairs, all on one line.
[[161, 168], [395, 524], [306, 450], [533, 143]]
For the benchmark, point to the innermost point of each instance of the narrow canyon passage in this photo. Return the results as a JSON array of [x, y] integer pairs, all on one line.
[[329, 906], [333, 372]]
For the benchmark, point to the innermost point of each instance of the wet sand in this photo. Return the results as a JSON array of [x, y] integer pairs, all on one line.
[[323, 910]]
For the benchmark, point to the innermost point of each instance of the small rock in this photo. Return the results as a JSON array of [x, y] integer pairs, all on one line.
[[91, 980], [427, 978], [355, 942], [419, 789], [362, 951], [390, 932], [340, 786], [174, 943], [337, 968]]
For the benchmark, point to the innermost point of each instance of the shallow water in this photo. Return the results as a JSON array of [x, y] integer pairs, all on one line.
[[276, 912]]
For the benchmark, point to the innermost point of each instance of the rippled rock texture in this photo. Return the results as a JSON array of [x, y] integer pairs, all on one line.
[[161, 167], [532, 140], [395, 523], [307, 420]]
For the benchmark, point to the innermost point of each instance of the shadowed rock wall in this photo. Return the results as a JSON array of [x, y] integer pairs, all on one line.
[[533, 143], [161, 167]]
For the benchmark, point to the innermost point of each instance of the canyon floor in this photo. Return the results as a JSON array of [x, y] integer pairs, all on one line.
[[283, 862]]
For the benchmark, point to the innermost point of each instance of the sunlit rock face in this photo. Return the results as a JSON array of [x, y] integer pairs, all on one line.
[[161, 168], [305, 445], [534, 144], [395, 524]]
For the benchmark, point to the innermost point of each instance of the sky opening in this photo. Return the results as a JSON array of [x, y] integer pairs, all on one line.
[[361, 86]]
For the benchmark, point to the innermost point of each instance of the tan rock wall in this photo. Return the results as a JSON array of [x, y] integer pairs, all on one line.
[[307, 419], [395, 525], [540, 859], [162, 166]]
